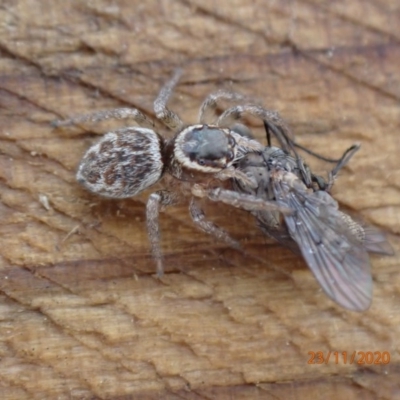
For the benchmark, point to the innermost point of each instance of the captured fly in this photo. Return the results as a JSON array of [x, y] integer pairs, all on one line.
[[334, 246]]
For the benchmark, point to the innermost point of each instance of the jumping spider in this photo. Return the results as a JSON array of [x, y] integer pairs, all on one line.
[[129, 160]]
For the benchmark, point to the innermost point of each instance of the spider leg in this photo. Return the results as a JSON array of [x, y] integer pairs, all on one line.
[[155, 202], [165, 115], [246, 144], [208, 227], [244, 201], [233, 114], [209, 106], [97, 116], [231, 172]]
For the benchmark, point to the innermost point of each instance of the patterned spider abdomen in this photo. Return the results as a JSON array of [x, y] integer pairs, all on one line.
[[123, 163]]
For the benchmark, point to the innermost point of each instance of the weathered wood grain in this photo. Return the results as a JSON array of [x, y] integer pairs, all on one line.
[[82, 315]]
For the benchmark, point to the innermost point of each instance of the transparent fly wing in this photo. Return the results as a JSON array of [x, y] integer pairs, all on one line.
[[375, 241], [372, 239], [337, 258], [278, 232]]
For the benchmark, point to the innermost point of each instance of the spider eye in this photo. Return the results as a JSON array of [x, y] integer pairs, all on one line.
[[230, 156], [201, 161]]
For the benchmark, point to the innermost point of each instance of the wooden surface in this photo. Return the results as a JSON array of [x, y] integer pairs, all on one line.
[[82, 315]]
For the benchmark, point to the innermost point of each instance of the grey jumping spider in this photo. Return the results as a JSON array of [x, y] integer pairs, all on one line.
[[129, 160]]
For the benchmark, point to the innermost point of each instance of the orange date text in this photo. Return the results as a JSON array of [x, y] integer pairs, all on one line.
[[345, 357]]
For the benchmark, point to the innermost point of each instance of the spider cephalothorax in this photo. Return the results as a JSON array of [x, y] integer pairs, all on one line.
[[205, 148]]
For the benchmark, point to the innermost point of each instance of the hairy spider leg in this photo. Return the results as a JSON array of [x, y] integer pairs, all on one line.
[[243, 201], [210, 104], [164, 114], [233, 114], [156, 201], [209, 227], [98, 116]]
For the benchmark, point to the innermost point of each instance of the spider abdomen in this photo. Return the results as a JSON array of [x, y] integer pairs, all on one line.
[[123, 163]]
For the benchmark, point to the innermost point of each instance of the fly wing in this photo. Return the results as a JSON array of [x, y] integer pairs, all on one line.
[[375, 241], [336, 257], [372, 239], [275, 230]]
